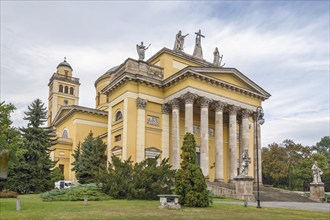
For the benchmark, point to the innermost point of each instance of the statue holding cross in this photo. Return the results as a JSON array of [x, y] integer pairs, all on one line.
[[198, 52]]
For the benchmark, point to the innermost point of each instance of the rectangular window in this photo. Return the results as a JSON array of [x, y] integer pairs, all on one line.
[[117, 137], [61, 166]]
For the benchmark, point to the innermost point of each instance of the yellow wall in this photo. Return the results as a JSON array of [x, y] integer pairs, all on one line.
[[78, 131], [167, 61]]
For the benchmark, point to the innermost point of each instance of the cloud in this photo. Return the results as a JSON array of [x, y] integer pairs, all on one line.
[[283, 47]]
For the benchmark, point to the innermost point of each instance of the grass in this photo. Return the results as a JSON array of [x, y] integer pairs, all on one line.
[[34, 208]]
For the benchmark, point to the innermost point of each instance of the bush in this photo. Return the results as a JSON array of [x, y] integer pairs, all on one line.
[[91, 191], [144, 180], [8, 194]]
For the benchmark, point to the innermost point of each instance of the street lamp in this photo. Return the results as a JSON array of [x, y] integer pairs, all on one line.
[[259, 120]]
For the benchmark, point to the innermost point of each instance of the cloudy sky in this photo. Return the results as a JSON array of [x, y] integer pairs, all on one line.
[[281, 45]]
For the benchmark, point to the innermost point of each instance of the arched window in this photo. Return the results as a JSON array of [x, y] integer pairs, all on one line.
[[71, 90], [118, 116], [60, 89], [66, 89], [65, 133]]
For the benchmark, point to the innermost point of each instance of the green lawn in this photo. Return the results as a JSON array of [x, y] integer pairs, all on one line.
[[34, 208]]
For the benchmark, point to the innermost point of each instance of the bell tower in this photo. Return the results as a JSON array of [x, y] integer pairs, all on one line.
[[63, 90]]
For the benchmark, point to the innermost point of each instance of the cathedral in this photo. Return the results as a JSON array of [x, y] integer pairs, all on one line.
[[143, 108]]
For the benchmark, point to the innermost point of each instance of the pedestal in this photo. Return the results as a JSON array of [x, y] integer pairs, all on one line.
[[244, 188], [317, 192]]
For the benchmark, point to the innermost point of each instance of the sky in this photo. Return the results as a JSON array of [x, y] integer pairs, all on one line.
[[283, 46]]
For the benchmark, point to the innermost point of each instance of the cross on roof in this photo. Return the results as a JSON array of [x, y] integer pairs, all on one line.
[[199, 33]]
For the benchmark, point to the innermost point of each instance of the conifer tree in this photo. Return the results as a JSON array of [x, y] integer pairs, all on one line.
[[32, 172], [89, 159], [189, 182]]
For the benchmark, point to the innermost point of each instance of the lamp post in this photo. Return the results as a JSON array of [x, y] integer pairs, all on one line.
[[259, 120]]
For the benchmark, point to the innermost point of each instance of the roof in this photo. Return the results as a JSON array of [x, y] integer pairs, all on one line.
[[106, 74], [75, 108], [64, 63]]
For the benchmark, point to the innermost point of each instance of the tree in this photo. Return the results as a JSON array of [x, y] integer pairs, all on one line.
[[90, 158], [189, 182], [9, 136], [10, 140], [32, 172], [323, 146], [57, 175], [288, 165], [117, 179], [150, 179]]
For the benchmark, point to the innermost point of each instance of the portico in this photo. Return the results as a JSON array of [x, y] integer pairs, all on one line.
[[219, 109]]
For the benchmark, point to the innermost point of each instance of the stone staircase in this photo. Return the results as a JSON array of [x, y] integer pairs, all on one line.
[[267, 193]]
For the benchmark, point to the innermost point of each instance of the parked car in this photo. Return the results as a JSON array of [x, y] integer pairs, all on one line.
[[63, 184]]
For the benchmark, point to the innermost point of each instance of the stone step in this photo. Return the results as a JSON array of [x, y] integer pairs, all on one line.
[[268, 193]]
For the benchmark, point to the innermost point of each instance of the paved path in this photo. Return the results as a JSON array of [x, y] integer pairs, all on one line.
[[290, 205]]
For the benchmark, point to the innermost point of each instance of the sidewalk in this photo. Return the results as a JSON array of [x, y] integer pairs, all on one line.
[[325, 207]]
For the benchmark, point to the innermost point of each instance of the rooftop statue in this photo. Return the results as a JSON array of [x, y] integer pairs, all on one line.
[[246, 160], [179, 41], [217, 58], [317, 172], [198, 52], [141, 50]]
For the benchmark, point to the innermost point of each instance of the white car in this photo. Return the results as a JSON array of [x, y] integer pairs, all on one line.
[[63, 184]]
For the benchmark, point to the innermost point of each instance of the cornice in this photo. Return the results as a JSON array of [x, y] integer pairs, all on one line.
[[75, 108]]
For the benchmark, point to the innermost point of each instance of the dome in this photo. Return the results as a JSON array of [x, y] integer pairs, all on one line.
[[64, 63]]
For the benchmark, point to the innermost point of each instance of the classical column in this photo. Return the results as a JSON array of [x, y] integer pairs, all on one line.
[[232, 142], [175, 134], [245, 113], [140, 135], [165, 131], [219, 106], [204, 102], [255, 130], [189, 105]]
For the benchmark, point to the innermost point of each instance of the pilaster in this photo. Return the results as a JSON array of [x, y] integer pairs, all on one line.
[[165, 131], [141, 120]]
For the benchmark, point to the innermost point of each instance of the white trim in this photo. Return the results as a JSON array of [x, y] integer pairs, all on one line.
[[109, 134], [213, 96], [88, 122], [133, 95], [125, 126]]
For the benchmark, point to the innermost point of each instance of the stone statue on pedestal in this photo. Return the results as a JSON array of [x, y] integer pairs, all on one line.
[[246, 160], [141, 50], [217, 58], [179, 41], [317, 172]]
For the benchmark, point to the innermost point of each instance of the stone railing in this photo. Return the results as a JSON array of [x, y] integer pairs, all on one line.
[[141, 68], [221, 191], [65, 78]]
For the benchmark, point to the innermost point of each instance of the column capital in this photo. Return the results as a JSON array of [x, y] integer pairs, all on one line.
[[166, 108], [175, 103], [219, 106], [188, 97], [141, 103], [204, 102], [233, 109], [245, 113]]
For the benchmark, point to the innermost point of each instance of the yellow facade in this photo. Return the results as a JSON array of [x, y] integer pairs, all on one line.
[[134, 111]]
